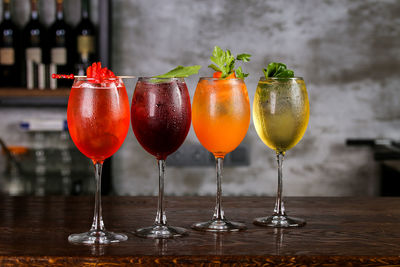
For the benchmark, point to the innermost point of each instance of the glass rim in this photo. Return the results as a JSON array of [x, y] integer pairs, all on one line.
[[108, 83], [222, 79], [149, 78], [92, 79], [262, 78]]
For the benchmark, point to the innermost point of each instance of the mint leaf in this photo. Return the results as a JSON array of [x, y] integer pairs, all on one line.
[[278, 70], [225, 62], [240, 74], [266, 74], [218, 57], [285, 74], [243, 57], [180, 72], [214, 67]]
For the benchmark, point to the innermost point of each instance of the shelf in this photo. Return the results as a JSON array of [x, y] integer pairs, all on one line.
[[22, 97]]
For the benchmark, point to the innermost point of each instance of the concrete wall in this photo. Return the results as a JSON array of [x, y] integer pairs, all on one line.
[[347, 51]]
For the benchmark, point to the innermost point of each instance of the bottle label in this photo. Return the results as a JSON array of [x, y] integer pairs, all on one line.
[[34, 54], [41, 76], [85, 44], [7, 56], [59, 55]]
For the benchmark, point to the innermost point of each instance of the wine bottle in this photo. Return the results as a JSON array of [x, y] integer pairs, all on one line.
[[34, 36], [9, 49], [61, 45], [85, 40]]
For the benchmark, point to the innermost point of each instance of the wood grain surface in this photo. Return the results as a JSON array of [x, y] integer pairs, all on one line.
[[24, 92], [339, 232]]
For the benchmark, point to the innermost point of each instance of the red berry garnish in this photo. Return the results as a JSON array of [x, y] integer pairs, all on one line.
[[98, 73]]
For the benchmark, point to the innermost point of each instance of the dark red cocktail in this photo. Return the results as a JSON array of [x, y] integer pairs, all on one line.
[[161, 115]]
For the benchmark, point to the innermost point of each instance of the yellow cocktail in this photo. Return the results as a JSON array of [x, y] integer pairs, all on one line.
[[280, 112]]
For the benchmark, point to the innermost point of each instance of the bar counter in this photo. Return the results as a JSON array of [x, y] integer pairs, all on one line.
[[339, 232]]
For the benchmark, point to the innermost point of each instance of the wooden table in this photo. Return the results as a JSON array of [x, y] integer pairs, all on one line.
[[339, 232]]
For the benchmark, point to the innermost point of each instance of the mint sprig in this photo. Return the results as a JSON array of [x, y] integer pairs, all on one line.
[[225, 62], [240, 73], [243, 57], [277, 70], [181, 72]]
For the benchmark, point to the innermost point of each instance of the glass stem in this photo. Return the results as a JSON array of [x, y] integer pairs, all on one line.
[[279, 206], [161, 218], [98, 224], [219, 213]]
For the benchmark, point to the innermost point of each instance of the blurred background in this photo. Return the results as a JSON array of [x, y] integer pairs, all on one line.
[[348, 53]]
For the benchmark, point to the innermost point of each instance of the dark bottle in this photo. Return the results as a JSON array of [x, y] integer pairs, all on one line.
[[9, 50], [35, 44], [85, 41], [61, 45]]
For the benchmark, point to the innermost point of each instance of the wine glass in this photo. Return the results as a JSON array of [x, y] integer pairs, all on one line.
[[280, 112], [98, 122], [221, 117], [161, 117]]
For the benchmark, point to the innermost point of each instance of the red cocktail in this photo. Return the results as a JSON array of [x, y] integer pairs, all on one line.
[[98, 117], [161, 117], [98, 122]]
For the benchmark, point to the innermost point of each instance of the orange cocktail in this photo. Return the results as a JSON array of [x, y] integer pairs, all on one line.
[[221, 114], [220, 117]]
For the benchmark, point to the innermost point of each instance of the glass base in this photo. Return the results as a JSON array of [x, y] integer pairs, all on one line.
[[161, 231], [279, 221], [97, 237], [218, 225]]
